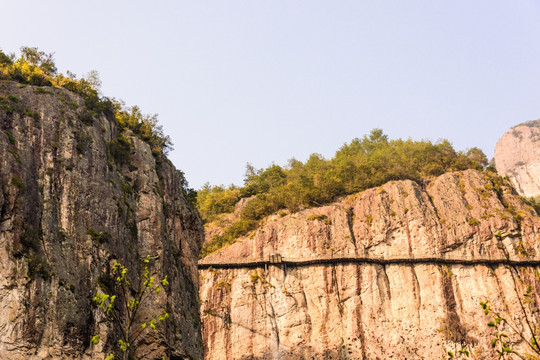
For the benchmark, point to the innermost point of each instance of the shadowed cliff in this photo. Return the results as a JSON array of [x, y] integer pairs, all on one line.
[[76, 194]]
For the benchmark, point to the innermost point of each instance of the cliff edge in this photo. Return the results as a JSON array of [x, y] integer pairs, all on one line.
[[76, 194]]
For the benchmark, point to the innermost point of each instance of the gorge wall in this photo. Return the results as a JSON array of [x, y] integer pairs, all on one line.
[[407, 310], [68, 208], [517, 155]]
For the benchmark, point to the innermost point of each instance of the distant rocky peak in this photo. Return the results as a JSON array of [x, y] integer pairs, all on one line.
[[517, 155]]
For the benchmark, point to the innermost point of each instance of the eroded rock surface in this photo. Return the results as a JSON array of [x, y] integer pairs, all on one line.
[[374, 311], [517, 155], [68, 208]]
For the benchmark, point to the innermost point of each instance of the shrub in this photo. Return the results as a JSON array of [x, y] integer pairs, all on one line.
[[319, 217], [146, 127], [86, 117], [236, 230], [7, 108], [99, 237], [13, 98], [534, 203], [10, 138], [215, 200], [37, 265], [5, 59], [30, 249], [30, 240], [258, 207], [17, 182], [31, 114], [82, 141], [40, 90], [120, 149]]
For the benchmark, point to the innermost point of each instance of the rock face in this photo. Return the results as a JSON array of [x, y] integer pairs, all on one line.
[[68, 208], [376, 310], [517, 155]]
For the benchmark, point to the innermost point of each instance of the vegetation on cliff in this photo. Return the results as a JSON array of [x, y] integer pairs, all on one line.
[[77, 187], [120, 300], [35, 67], [530, 123], [359, 165]]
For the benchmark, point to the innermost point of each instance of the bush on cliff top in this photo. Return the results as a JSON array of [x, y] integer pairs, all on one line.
[[35, 67], [359, 165]]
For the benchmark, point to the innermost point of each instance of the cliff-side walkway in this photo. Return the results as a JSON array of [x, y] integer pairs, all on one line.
[[278, 260]]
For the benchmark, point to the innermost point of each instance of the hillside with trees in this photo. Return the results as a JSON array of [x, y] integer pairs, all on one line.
[[361, 164]]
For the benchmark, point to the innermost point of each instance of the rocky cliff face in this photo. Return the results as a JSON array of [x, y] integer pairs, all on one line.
[[376, 310], [68, 208], [517, 155]]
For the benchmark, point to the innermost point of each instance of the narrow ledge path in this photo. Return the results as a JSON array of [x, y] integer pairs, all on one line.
[[278, 260]]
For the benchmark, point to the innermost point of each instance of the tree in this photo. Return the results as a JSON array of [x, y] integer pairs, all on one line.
[[477, 155], [504, 330], [121, 301], [6, 59], [41, 59]]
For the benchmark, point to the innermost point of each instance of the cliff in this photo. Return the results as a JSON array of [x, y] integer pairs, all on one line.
[[395, 272], [517, 155], [70, 204]]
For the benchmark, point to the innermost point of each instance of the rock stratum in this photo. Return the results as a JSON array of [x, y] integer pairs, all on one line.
[[517, 155], [67, 210], [376, 309]]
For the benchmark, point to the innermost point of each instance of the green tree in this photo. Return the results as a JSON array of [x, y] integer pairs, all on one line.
[[215, 200], [41, 59], [120, 301], [6, 59], [478, 156], [505, 331]]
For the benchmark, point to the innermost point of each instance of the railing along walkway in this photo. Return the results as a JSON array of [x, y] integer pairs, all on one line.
[[278, 260]]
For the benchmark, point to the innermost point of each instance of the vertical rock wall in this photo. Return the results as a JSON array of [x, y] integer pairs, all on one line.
[[68, 208], [370, 310]]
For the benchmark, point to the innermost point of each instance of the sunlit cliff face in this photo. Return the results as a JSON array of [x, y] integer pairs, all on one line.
[[375, 310]]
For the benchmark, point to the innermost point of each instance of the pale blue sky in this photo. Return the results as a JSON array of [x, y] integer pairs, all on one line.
[[263, 81]]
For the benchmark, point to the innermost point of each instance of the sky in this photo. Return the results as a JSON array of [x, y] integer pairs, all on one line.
[[260, 82]]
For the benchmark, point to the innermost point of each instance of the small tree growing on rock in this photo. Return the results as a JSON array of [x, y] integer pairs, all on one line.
[[121, 302], [504, 330]]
